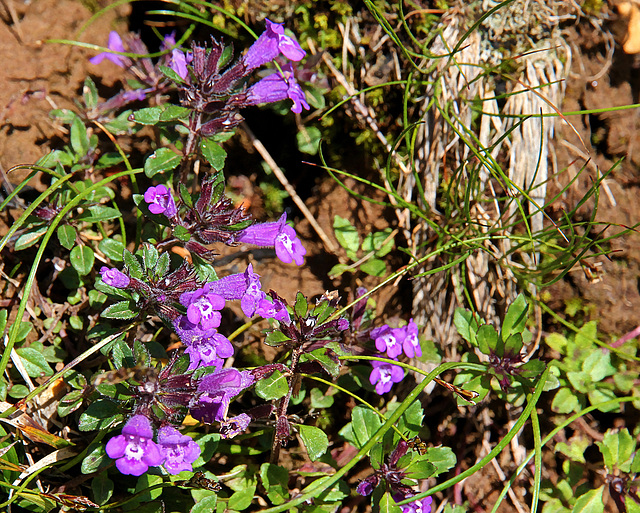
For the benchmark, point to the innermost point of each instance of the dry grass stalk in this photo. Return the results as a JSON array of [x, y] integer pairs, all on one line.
[[537, 87]]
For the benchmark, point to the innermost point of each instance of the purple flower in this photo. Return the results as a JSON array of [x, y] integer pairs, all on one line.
[[384, 375], [216, 391], [388, 339], [272, 42], [135, 95], [277, 87], [419, 506], [244, 286], [114, 278], [202, 307], [411, 343], [270, 308], [179, 61], [133, 450], [160, 201], [179, 451], [115, 44], [366, 486], [204, 347], [279, 234]]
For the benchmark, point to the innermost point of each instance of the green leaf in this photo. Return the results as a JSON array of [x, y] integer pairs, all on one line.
[[575, 449], [487, 338], [28, 239], [276, 338], [163, 159], [598, 365], [319, 400], [101, 414], [148, 116], [309, 140], [443, 458], [206, 504], [365, 423], [24, 329], [375, 242], [66, 235], [149, 257], [147, 484], [275, 480], [112, 249], [185, 195], [315, 440], [95, 459], [70, 403], [122, 354], [214, 153], [515, 318], [302, 305], [374, 267], [97, 213], [171, 74], [601, 395], [346, 234], [90, 94], [18, 391], [590, 502], [557, 342], [78, 137], [617, 450], [181, 233], [109, 159], [133, 265], [466, 325], [388, 505], [34, 362], [420, 468], [174, 113], [273, 387], [532, 369], [339, 269], [102, 488], [323, 357], [123, 310], [565, 401], [64, 116], [82, 259], [580, 381], [513, 344], [163, 265]]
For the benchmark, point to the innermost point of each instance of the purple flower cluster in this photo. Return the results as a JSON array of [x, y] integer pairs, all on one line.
[[197, 329], [215, 93], [393, 341], [135, 451]]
